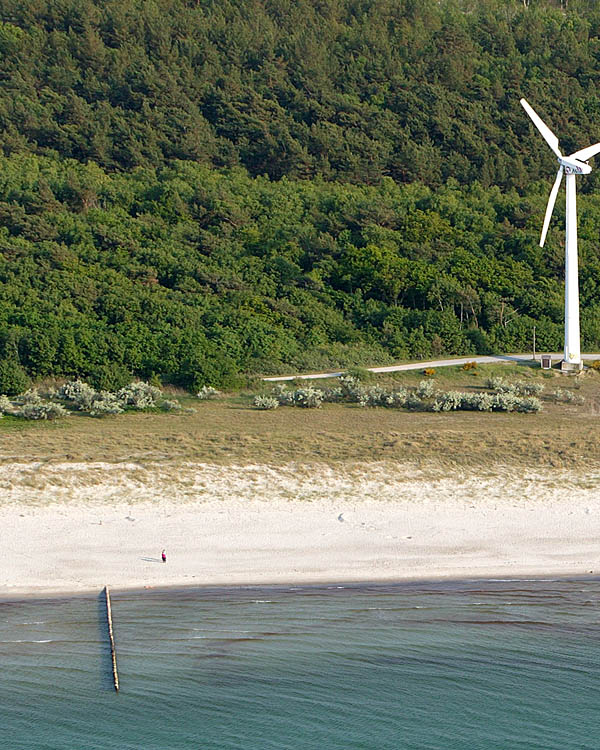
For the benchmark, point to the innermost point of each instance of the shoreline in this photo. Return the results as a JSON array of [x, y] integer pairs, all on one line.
[[71, 529], [290, 586]]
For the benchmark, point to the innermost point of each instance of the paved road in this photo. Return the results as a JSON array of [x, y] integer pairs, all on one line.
[[519, 359]]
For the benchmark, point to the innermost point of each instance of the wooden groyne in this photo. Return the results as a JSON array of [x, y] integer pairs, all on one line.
[[111, 638]]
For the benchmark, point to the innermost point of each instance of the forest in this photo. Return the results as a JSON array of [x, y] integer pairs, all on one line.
[[199, 192]]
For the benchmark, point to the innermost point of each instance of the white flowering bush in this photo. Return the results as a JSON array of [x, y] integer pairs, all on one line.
[[530, 389], [80, 394], [456, 400], [505, 401], [265, 402], [495, 383], [29, 397], [284, 396], [477, 402], [333, 395], [449, 401], [308, 398], [105, 404], [139, 395], [207, 391], [397, 399], [42, 410], [510, 388], [413, 401], [529, 405], [426, 389], [6, 405], [352, 389], [567, 397], [374, 395]]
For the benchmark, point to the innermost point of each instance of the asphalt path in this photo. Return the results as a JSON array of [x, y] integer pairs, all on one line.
[[518, 359]]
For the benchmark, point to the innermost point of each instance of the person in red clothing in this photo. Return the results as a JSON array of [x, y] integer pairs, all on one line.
[[164, 556]]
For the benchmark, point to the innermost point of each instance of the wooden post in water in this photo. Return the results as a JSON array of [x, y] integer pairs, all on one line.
[[111, 638]]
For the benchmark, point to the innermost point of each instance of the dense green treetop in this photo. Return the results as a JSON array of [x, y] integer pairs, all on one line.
[[348, 89], [201, 189], [198, 275]]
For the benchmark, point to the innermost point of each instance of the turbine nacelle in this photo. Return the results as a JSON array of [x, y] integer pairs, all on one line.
[[574, 166]]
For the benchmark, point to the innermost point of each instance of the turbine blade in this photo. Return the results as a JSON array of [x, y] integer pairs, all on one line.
[[550, 206], [586, 153], [547, 134]]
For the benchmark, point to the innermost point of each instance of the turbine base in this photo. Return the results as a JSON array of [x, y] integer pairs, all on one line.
[[570, 367]]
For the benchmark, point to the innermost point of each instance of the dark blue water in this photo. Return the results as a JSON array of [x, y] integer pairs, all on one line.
[[486, 664]]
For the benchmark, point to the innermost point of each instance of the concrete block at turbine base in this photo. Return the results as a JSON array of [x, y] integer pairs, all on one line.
[[571, 367]]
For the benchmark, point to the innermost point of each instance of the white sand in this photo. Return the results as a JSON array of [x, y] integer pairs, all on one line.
[[75, 527]]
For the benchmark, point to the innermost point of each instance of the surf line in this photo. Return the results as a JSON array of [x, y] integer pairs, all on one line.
[[111, 638]]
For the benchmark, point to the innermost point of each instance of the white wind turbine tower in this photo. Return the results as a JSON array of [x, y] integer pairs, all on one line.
[[569, 165]]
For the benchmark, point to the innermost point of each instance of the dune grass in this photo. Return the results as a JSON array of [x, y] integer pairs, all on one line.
[[229, 430]]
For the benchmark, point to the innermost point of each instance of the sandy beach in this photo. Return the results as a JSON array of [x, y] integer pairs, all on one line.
[[71, 527]]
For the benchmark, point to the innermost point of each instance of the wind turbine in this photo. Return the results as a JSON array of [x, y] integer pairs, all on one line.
[[571, 165]]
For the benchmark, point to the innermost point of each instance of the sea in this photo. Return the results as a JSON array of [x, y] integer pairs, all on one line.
[[459, 665]]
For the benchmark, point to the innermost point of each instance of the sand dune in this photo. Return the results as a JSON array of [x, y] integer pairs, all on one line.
[[77, 526]]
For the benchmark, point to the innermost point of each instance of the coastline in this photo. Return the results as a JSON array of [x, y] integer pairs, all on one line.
[[71, 529], [216, 591]]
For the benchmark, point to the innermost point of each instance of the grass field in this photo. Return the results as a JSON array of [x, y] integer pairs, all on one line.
[[229, 430]]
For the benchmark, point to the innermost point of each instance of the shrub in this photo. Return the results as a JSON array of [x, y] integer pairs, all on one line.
[[530, 389], [6, 405], [529, 405], [352, 390], [505, 401], [206, 392], [80, 394], [170, 405], [413, 401], [595, 365], [469, 366], [397, 399], [30, 396], [425, 389], [104, 404], [265, 402], [429, 372], [42, 410], [284, 396], [477, 402], [494, 383], [449, 401], [13, 378], [454, 400], [567, 397], [139, 395], [309, 397], [333, 395], [499, 385], [375, 395]]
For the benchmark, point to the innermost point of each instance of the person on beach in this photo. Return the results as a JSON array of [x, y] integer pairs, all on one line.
[[163, 554]]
